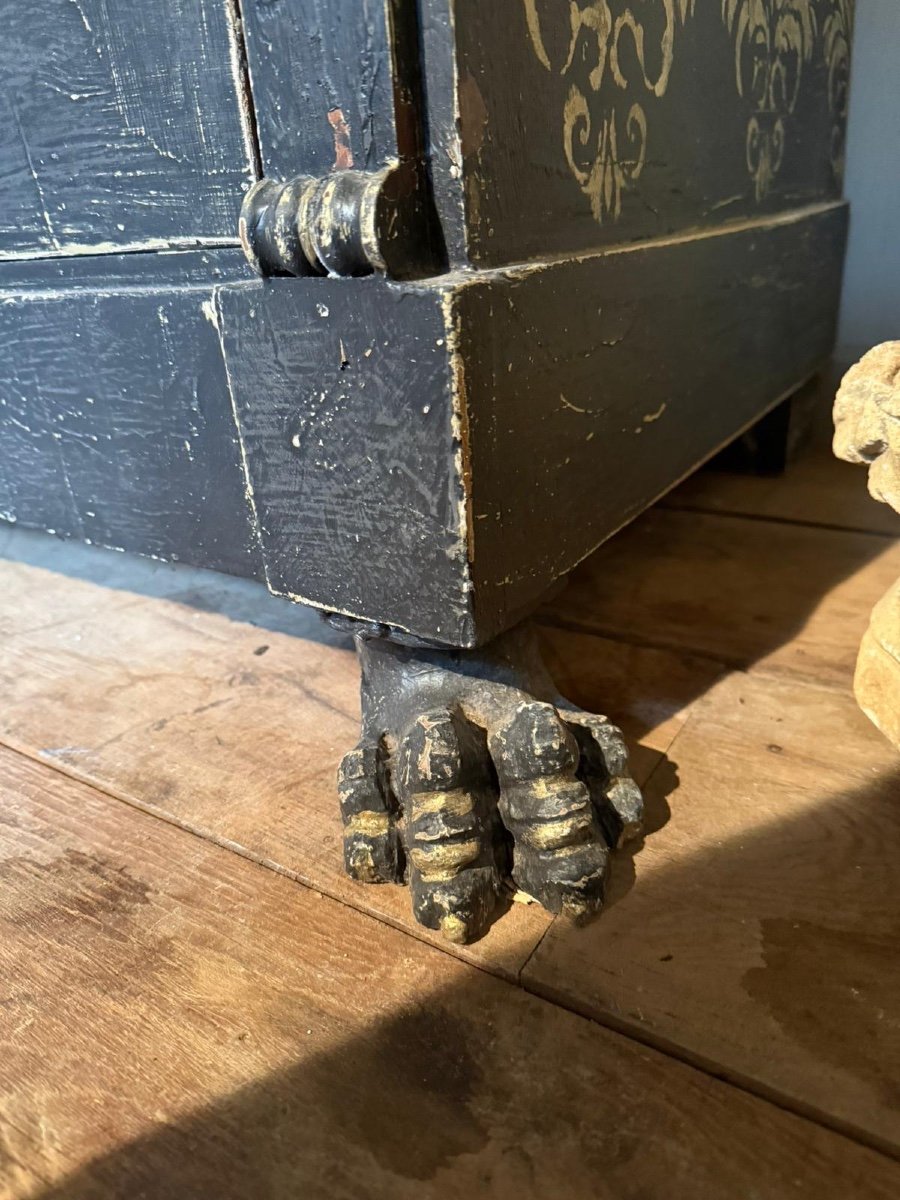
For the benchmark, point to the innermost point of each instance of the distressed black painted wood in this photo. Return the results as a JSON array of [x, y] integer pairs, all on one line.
[[402, 307], [122, 124], [617, 122]]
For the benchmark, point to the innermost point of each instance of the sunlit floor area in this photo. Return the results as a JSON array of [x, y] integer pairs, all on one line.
[[196, 1002]]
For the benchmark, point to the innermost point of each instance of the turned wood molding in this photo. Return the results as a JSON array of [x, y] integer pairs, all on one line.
[[347, 223]]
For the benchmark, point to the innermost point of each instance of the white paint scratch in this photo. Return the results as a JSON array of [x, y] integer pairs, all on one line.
[[42, 203], [84, 20]]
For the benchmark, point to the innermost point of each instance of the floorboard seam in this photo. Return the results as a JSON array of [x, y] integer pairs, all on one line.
[[772, 519], [616, 635], [732, 666], [660, 762], [742, 1083], [207, 835]]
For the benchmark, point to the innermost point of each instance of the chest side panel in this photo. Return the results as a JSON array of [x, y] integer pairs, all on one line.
[[594, 385], [122, 125], [346, 413], [558, 126]]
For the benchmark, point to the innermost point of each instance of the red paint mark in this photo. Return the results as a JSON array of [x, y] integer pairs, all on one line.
[[343, 154]]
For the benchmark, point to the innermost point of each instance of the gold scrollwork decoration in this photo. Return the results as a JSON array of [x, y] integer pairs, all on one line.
[[618, 54], [837, 35], [607, 171], [773, 41], [604, 125]]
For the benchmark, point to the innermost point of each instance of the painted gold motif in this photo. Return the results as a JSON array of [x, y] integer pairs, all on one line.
[[837, 36], [773, 42], [614, 62], [618, 55]]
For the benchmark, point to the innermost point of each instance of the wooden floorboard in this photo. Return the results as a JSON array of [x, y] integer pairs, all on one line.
[[764, 595], [814, 498], [757, 931], [179, 1022], [177, 703]]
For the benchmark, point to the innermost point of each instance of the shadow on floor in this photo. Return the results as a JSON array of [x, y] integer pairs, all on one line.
[[481, 1089], [242, 600]]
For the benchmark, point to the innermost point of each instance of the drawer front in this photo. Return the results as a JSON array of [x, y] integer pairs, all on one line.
[[563, 125], [121, 125]]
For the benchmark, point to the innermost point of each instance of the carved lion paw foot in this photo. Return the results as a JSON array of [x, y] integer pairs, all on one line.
[[471, 774]]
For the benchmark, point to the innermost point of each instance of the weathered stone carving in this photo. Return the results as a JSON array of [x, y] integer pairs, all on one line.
[[471, 772], [867, 430]]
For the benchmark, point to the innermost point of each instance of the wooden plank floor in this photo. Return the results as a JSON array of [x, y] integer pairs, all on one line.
[[217, 1031], [194, 1000]]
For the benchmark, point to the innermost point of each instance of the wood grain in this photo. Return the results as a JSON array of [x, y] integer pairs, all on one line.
[[760, 936], [122, 125], [820, 496], [343, 398], [323, 86], [205, 700], [179, 1021], [761, 594]]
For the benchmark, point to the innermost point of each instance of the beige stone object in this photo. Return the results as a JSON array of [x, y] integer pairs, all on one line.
[[867, 430]]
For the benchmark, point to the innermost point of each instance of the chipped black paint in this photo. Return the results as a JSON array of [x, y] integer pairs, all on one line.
[[310, 62]]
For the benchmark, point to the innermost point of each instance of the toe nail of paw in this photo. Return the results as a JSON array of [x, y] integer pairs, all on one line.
[[460, 908], [371, 862], [579, 909], [627, 802]]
